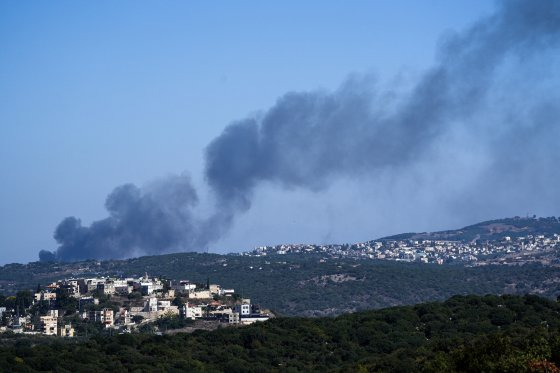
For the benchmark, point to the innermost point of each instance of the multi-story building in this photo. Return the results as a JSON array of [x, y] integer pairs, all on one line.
[[45, 296], [233, 318], [244, 309], [66, 331], [107, 287], [191, 311], [108, 317], [49, 323], [183, 287], [105, 316]]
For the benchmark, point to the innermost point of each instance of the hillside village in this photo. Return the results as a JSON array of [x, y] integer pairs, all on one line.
[[71, 307], [508, 250]]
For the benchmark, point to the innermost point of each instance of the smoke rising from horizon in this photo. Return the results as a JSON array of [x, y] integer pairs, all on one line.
[[154, 218], [492, 91]]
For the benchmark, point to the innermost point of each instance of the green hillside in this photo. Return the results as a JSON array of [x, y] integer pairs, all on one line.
[[490, 230], [464, 334], [306, 285]]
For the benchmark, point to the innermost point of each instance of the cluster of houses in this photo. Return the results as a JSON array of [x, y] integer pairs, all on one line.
[[49, 324], [126, 303], [425, 251]]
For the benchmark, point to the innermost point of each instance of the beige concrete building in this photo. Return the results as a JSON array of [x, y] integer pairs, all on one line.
[[203, 294], [49, 325], [66, 331]]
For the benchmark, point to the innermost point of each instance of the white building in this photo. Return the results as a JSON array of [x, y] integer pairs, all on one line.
[[243, 309], [151, 305], [183, 287], [192, 312]]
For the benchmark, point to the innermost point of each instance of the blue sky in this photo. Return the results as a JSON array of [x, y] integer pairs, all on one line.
[[96, 94]]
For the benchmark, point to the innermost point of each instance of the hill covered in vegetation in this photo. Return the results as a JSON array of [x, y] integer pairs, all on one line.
[[464, 334], [307, 285], [312, 285], [490, 230]]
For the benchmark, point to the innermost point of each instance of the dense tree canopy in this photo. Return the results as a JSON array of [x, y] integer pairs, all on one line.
[[289, 284], [464, 333]]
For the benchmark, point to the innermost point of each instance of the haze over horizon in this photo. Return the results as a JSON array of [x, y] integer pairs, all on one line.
[[341, 126]]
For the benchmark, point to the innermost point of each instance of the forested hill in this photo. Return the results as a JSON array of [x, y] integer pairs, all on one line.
[[463, 334], [490, 230], [307, 285]]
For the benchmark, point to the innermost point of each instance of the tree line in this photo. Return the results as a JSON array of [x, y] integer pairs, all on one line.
[[464, 334]]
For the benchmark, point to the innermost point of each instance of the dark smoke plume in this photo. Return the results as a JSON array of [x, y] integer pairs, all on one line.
[[153, 219], [307, 140]]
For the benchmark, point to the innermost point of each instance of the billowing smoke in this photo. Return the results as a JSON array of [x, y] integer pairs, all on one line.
[[152, 219], [306, 139], [494, 84]]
